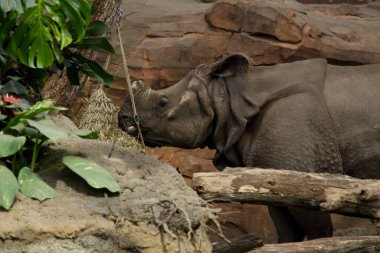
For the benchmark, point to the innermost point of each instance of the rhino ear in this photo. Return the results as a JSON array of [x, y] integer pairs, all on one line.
[[230, 66]]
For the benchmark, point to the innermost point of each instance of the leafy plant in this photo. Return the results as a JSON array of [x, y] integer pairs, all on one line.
[[38, 37], [22, 136]]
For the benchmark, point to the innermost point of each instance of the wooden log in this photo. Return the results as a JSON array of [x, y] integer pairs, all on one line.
[[325, 245], [326, 192], [241, 244]]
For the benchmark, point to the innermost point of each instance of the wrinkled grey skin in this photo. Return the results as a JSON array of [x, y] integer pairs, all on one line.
[[306, 116]]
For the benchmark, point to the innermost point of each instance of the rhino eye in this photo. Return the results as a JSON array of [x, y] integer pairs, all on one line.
[[163, 102]]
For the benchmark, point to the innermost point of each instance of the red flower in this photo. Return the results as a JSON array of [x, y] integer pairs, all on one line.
[[11, 99]]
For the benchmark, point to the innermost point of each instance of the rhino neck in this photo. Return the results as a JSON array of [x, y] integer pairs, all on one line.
[[265, 84], [239, 99], [227, 126]]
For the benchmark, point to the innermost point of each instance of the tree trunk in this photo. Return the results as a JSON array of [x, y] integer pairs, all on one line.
[[327, 192], [58, 87], [325, 245]]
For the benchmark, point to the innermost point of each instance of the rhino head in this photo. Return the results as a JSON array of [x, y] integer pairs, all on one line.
[[187, 113]]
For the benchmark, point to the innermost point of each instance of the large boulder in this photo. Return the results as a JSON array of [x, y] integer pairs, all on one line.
[[81, 219]]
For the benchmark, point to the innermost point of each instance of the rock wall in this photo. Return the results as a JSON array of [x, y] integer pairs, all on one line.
[[166, 39]]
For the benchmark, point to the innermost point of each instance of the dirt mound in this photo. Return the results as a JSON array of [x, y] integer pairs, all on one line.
[[156, 211]]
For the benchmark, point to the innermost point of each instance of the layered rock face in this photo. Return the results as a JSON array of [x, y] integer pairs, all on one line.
[[165, 40]]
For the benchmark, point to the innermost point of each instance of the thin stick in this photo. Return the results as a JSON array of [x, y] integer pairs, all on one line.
[[127, 77]]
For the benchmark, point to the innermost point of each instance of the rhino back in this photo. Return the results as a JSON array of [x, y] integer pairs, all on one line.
[[352, 95]]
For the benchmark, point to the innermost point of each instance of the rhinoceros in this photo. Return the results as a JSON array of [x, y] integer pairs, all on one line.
[[306, 116]]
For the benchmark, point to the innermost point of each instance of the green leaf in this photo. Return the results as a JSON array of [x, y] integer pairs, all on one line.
[[15, 87], [86, 134], [7, 24], [16, 40], [8, 5], [84, 8], [96, 29], [73, 75], [95, 44], [94, 70], [19, 127], [95, 175], [8, 187], [17, 5], [10, 144], [42, 52], [52, 132], [66, 37], [74, 18], [33, 186], [28, 3], [38, 108]]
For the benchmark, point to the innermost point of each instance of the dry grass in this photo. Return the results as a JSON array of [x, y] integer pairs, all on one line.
[[101, 116]]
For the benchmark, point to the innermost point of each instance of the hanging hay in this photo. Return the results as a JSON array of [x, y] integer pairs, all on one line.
[[101, 116]]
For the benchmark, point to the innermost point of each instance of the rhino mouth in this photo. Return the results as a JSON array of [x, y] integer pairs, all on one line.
[[128, 124]]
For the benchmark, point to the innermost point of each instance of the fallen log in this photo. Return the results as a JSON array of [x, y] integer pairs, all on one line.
[[241, 244], [327, 192], [325, 245]]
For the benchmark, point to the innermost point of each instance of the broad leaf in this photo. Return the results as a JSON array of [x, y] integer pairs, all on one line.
[[38, 108], [10, 144], [8, 5], [33, 186], [95, 175], [17, 5], [97, 28], [86, 134], [20, 127], [8, 22], [66, 37], [84, 9], [15, 87], [74, 19], [95, 44], [51, 131], [73, 75], [16, 40], [94, 70], [8, 187], [43, 52]]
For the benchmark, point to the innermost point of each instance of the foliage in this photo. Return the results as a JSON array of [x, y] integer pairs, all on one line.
[[38, 37], [23, 134]]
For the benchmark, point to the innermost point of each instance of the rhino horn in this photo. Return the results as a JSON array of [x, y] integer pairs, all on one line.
[[140, 86]]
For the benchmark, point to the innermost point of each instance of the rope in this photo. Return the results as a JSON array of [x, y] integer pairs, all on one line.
[[119, 12]]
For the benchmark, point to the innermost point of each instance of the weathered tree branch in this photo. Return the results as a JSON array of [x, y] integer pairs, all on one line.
[[240, 244], [325, 245], [327, 192]]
